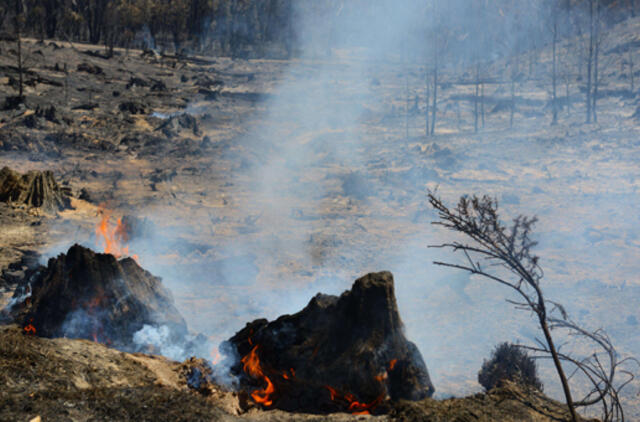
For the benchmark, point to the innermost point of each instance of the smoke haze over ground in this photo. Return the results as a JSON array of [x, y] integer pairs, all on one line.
[[326, 180]]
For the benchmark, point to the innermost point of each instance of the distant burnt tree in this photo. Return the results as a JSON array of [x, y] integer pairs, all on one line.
[[261, 27], [509, 362]]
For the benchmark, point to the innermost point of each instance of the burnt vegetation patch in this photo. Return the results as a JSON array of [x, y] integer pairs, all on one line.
[[509, 362], [141, 118], [34, 189]]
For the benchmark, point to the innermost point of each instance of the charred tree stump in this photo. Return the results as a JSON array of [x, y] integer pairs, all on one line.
[[346, 353]]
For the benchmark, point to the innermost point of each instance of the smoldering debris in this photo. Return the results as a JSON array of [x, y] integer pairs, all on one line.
[[346, 353], [83, 294], [35, 189]]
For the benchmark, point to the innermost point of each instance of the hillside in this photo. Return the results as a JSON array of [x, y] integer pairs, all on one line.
[[260, 182]]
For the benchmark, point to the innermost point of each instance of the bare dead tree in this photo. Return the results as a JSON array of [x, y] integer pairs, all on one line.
[[504, 255], [440, 40], [600, 61], [606, 373], [434, 98], [512, 102], [596, 55], [510, 249], [20, 59], [590, 55], [554, 73], [428, 97], [406, 94], [596, 35], [567, 66], [19, 20], [475, 98], [482, 103], [630, 60]]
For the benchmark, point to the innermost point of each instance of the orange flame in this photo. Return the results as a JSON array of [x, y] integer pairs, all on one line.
[[381, 377], [332, 392], [113, 238], [286, 376], [251, 365], [29, 328], [392, 364], [93, 306], [355, 407], [216, 356]]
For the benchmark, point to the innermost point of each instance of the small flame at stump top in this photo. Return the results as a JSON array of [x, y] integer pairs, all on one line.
[[113, 238]]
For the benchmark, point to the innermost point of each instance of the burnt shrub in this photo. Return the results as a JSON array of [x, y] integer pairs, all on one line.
[[508, 362]]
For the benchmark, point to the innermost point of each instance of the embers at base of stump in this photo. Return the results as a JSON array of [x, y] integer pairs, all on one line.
[[346, 353]]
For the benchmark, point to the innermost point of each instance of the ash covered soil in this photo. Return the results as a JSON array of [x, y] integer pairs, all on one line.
[[79, 380], [264, 182]]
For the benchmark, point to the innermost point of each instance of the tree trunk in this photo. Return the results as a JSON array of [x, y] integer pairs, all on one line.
[[435, 97], [556, 361], [589, 61], [406, 93], [596, 81], [482, 103], [41, 29], [95, 26], [51, 10], [112, 42], [513, 101], [176, 43], [66, 85], [428, 98], [566, 93], [580, 60], [475, 99], [20, 62], [631, 87], [554, 98]]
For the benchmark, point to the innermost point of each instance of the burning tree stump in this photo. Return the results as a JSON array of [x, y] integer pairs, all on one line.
[[35, 189], [83, 294], [344, 353]]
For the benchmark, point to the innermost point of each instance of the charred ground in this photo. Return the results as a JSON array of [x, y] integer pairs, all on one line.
[[353, 202]]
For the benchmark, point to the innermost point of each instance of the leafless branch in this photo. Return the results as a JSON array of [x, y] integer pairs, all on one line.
[[510, 249]]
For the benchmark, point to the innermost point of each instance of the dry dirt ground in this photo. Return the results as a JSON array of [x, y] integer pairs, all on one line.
[[285, 178], [78, 380]]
